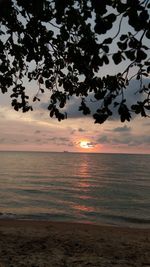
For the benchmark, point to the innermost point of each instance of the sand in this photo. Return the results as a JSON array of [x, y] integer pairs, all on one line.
[[52, 244]]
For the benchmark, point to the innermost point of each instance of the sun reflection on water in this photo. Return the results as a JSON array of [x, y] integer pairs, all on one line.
[[84, 184], [84, 208], [83, 172], [83, 169]]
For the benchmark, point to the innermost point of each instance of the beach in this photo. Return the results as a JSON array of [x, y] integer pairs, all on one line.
[[49, 244]]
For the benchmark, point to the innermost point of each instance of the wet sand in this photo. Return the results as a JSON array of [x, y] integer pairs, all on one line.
[[52, 244]]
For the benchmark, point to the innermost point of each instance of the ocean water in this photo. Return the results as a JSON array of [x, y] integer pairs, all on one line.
[[76, 187]]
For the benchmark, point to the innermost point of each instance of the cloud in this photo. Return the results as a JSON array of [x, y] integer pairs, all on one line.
[[86, 144], [147, 124], [70, 144], [2, 140], [26, 140], [62, 139], [81, 130], [122, 129], [72, 106], [131, 140], [35, 129], [125, 138], [37, 132], [91, 144], [72, 131], [59, 140], [102, 139], [140, 140]]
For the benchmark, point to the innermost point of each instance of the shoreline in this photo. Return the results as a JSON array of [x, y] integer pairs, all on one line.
[[15, 222], [31, 243], [140, 224]]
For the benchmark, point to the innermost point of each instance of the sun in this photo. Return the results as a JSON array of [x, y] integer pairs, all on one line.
[[85, 144]]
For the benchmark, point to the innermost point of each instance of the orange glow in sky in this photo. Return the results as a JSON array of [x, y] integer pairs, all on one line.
[[85, 144], [36, 132]]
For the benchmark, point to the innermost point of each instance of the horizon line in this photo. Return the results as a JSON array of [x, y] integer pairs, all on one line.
[[73, 152]]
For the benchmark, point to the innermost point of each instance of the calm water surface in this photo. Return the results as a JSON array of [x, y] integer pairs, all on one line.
[[91, 188]]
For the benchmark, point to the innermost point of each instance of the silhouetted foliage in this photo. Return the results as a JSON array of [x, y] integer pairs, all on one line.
[[64, 44]]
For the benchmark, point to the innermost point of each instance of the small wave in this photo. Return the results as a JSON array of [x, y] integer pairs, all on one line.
[[129, 220], [7, 215], [38, 217]]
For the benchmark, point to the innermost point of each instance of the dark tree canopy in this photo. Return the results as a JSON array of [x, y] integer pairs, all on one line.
[[64, 45]]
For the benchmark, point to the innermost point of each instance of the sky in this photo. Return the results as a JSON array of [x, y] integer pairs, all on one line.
[[36, 131]]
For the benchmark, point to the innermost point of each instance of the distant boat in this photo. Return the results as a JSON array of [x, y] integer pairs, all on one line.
[[66, 151]]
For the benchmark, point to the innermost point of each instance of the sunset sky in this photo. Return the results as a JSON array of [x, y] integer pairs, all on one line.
[[36, 131]]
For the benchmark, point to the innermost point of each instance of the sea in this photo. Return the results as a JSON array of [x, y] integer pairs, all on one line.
[[76, 187]]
